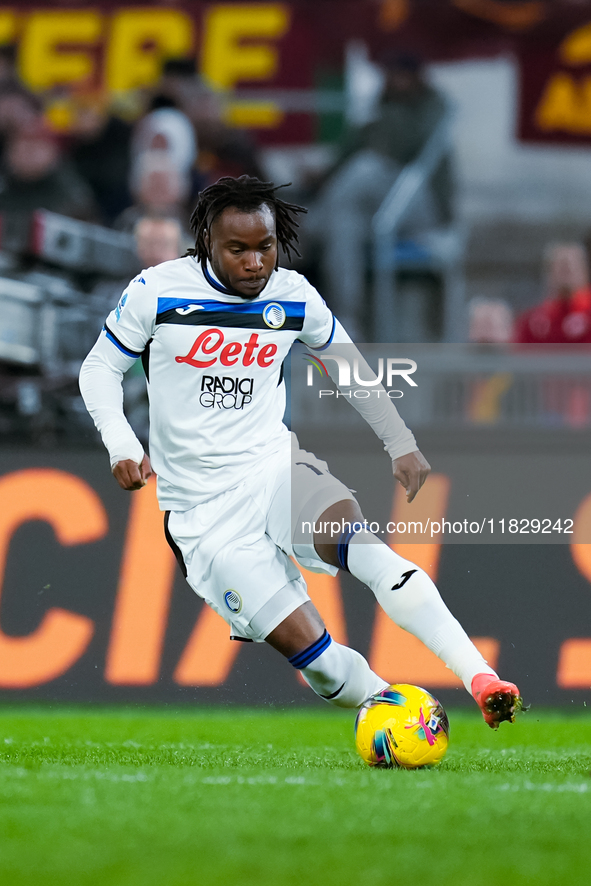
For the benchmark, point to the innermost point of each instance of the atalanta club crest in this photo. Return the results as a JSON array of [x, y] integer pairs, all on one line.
[[274, 315], [233, 600]]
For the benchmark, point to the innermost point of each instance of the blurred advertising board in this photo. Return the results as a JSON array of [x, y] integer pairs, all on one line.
[[290, 55], [94, 608]]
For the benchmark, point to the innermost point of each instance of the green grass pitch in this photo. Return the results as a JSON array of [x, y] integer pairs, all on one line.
[[156, 797]]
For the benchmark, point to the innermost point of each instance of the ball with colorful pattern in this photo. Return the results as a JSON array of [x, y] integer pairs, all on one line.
[[403, 726]]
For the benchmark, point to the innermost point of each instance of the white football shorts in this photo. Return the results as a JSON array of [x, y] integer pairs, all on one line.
[[236, 547]]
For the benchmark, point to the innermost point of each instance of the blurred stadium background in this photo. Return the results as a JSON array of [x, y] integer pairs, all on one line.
[[450, 142]]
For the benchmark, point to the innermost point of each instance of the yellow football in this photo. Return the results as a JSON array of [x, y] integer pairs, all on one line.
[[402, 726]]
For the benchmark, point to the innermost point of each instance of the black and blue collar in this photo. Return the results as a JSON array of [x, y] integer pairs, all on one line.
[[215, 283]]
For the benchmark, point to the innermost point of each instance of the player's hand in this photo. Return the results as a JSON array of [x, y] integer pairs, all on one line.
[[130, 475], [411, 470]]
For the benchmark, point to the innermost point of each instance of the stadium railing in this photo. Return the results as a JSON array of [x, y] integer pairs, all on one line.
[[439, 251]]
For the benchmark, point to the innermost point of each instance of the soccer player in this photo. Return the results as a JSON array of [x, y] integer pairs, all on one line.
[[213, 329]]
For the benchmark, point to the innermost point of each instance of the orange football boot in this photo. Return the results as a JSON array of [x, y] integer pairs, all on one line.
[[497, 699]]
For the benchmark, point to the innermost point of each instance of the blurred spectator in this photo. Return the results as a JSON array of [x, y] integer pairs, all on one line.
[[490, 321], [19, 110], [565, 315], [159, 189], [223, 149], [182, 86], [8, 74], [169, 130], [35, 176], [157, 240], [371, 159], [226, 150], [101, 155]]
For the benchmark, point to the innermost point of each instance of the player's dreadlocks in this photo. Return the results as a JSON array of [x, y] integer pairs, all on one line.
[[246, 194]]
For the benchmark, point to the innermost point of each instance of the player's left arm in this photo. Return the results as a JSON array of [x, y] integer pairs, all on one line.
[[409, 465]]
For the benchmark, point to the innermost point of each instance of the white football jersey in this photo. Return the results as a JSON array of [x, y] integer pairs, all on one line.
[[214, 366]]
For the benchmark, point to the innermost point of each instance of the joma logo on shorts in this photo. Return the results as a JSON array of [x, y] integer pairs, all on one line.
[[226, 392], [210, 342]]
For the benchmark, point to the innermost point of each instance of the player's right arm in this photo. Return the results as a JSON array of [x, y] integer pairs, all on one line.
[[122, 341]]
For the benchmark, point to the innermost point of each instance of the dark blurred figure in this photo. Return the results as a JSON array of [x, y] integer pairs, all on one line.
[[36, 176], [19, 112], [564, 317], [223, 149], [409, 111], [370, 160], [19, 109], [101, 154], [183, 88], [8, 56]]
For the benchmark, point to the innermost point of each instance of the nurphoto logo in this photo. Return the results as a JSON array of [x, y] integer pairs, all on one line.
[[389, 369]]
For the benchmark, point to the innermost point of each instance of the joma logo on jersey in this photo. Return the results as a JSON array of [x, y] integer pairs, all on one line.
[[226, 392], [211, 341]]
